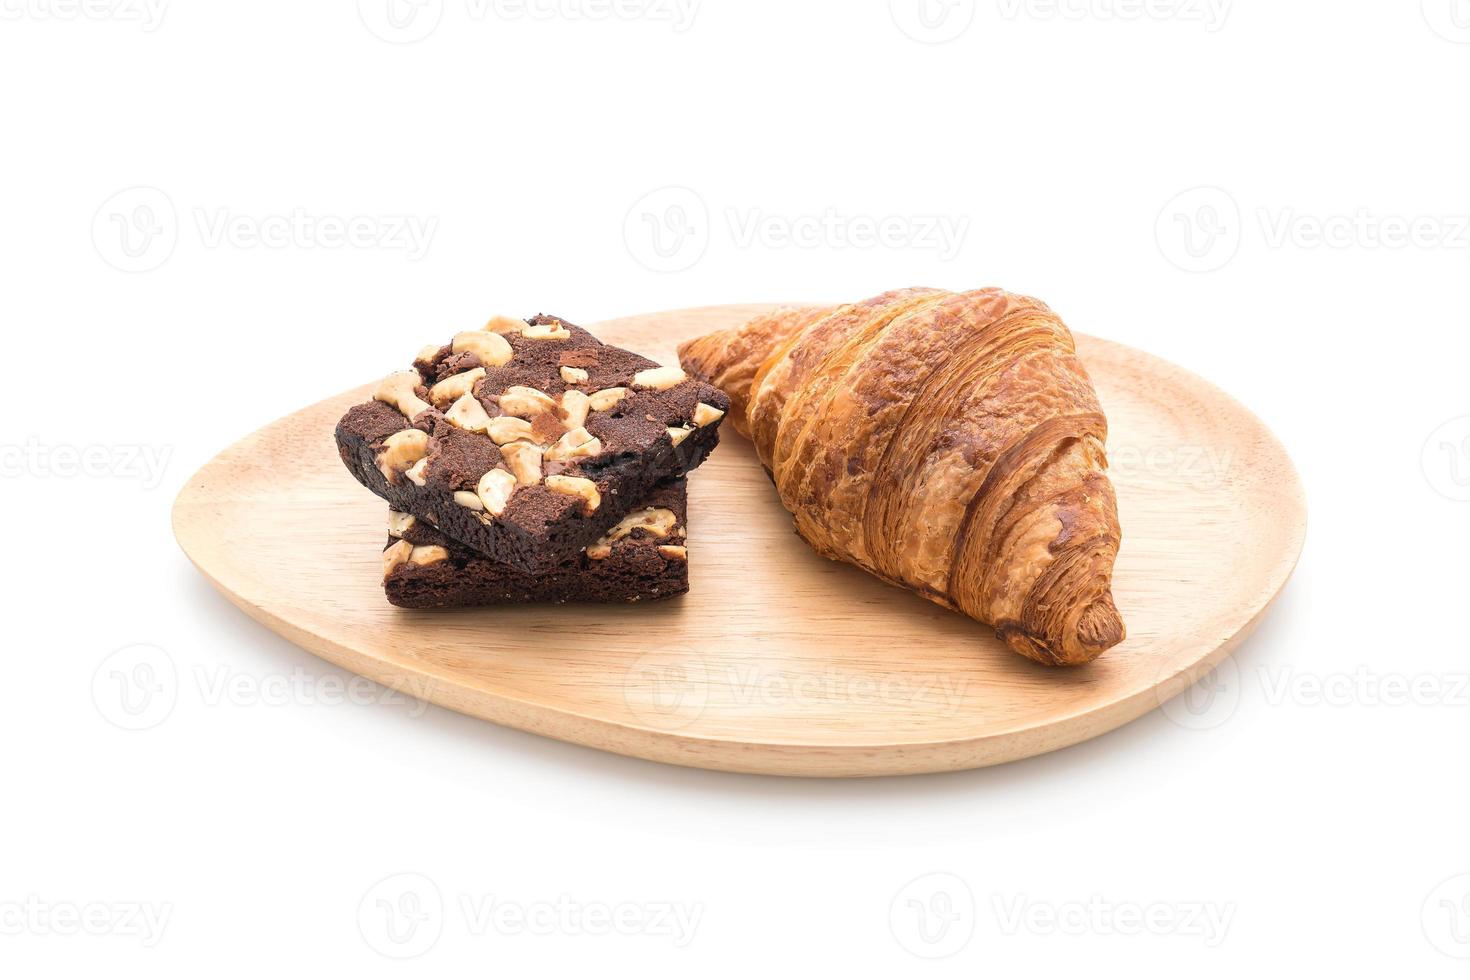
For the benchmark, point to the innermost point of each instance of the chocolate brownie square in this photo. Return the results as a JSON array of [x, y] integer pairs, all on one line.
[[642, 557], [527, 439]]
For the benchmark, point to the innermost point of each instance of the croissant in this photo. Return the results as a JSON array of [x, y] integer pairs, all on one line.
[[948, 443]]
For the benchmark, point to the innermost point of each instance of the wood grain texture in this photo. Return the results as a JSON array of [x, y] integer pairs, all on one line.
[[778, 661]]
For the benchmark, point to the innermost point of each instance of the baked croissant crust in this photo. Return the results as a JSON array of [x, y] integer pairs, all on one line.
[[949, 443]]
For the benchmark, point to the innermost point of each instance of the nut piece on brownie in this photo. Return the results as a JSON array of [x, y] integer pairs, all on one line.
[[527, 440]]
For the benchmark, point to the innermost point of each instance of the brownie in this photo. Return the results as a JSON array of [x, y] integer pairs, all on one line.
[[527, 439], [642, 557]]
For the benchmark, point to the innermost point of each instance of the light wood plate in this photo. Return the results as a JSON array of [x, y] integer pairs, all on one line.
[[778, 661]]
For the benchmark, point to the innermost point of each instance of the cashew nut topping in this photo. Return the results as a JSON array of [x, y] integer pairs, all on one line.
[[601, 401], [400, 451], [426, 554], [574, 407], [492, 349], [705, 414], [573, 375], [578, 442], [659, 378], [576, 486], [399, 390], [658, 521], [455, 386], [395, 555], [504, 324], [495, 489], [525, 402], [546, 331], [468, 500], [524, 461], [507, 428], [468, 414]]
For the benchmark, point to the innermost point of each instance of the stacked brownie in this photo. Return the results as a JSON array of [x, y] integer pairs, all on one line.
[[527, 461]]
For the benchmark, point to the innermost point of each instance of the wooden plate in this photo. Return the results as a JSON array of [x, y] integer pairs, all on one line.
[[778, 661]]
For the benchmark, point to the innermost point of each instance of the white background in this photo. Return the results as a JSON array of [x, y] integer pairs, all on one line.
[[1315, 808]]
